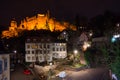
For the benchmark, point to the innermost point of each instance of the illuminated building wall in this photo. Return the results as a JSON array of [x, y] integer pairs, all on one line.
[[44, 49]]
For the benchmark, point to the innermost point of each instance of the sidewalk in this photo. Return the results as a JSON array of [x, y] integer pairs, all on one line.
[[89, 74], [85, 74]]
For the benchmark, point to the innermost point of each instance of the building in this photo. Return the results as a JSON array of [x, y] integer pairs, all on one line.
[[44, 49], [100, 41], [63, 36], [4, 67]]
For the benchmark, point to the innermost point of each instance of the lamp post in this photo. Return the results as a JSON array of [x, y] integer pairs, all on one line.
[[75, 53]]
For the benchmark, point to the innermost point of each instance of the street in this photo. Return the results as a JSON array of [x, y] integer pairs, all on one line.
[[89, 74], [19, 75], [83, 74]]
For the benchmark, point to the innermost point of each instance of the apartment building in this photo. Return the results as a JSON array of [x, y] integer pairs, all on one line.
[[44, 49]]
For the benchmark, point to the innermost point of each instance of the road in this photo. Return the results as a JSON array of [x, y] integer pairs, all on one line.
[[19, 75], [89, 74], [84, 74]]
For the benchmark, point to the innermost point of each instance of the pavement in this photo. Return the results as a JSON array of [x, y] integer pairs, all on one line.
[[88, 74], [71, 74], [84, 74], [19, 75]]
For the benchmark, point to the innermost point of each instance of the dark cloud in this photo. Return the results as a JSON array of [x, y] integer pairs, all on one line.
[[61, 9]]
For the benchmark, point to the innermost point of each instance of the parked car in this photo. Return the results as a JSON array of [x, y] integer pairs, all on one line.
[[27, 71]]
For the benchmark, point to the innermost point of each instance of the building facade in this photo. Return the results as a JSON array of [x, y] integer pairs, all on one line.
[[4, 67], [44, 49]]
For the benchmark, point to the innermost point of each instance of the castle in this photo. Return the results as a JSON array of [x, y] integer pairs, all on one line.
[[40, 21]]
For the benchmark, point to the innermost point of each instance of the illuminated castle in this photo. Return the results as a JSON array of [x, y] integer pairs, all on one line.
[[40, 21]]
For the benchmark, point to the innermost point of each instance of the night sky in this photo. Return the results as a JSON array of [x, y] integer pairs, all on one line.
[[60, 9]]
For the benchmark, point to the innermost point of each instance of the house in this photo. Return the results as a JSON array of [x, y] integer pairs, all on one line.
[[64, 35], [98, 41], [44, 48], [4, 67]]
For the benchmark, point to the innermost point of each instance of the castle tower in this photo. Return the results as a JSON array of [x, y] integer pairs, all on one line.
[[13, 25]]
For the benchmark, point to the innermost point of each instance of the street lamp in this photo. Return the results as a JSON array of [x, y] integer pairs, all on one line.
[[86, 45], [15, 51], [75, 53]]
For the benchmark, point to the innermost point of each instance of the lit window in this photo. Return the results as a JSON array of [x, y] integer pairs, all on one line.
[[28, 46], [34, 46]]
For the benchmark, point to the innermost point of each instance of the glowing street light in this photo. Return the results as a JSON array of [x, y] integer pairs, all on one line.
[[15, 51], [86, 45], [75, 52]]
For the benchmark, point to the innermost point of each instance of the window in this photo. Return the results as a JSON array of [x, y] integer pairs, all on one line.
[[57, 49], [53, 49], [34, 40], [40, 51], [5, 64], [28, 52], [28, 40], [33, 58], [34, 46], [44, 45], [5, 78], [28, 57], [0, 66], [48, 57], [40, 46], [48, 46], [48, 51], [64, 49], [44, 52], [53, 54], [60, 49], [28, 46], [33, 52], [40, 57]]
